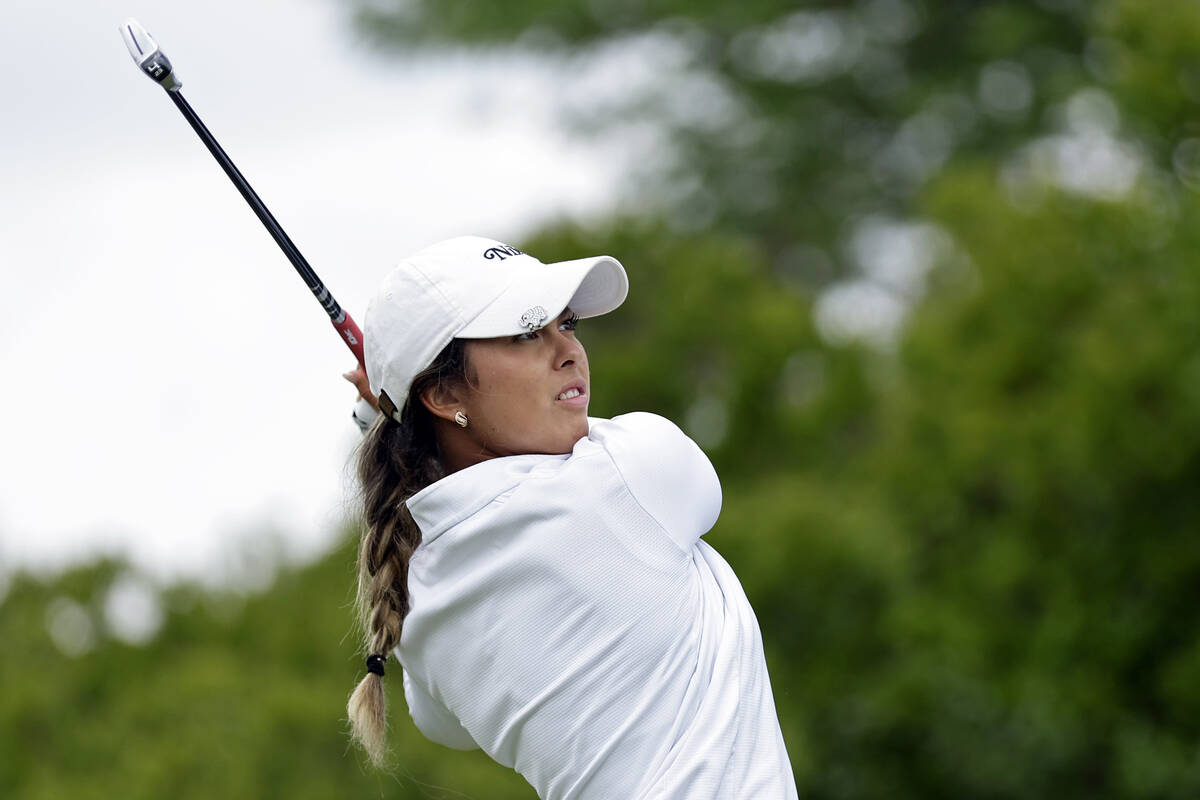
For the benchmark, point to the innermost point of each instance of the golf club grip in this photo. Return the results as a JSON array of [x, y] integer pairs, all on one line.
[[314, 283], [351, 335]]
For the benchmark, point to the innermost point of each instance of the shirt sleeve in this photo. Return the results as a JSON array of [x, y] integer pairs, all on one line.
[[363, 414], [665, 471], [433, 720]]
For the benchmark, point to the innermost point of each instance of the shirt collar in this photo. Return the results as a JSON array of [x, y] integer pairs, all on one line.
[[447, 502]]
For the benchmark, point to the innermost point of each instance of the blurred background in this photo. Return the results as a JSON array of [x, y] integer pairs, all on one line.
[[920, 277]]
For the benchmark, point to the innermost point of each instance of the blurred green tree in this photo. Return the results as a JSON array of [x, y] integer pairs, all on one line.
[[792, 122], [236, 695]]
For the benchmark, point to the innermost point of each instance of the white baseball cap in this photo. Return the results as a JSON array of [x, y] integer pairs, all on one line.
[[470, 287]]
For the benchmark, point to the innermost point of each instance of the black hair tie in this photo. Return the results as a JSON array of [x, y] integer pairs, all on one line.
[[375, 664]]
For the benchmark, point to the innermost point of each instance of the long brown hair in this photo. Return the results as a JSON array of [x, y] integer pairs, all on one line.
[[395, 461]]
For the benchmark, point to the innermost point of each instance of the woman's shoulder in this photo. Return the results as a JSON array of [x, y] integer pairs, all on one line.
[[640, 438], [667, 473], [640, 427]]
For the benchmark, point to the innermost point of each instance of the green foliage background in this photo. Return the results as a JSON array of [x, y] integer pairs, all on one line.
[[972, 551]]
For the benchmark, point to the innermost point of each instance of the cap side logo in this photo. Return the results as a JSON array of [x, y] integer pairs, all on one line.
[[501, 252], [533, 318]]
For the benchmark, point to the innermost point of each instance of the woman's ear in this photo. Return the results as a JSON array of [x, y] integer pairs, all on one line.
[[443, 400]]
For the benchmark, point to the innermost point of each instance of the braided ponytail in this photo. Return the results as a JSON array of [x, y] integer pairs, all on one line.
[[395, 461]]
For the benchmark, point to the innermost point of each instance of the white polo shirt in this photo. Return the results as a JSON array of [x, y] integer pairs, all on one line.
[[566, 618]]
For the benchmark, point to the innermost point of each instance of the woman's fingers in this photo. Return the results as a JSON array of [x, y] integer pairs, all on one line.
[[358, 376]]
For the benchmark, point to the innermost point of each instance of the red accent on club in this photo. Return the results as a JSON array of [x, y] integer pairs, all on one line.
[[352, 336]]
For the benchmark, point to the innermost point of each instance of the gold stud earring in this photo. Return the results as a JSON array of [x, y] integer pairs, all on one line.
[[460, 418]]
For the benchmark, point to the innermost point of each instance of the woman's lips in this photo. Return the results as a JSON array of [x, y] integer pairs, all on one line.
[[574, 395]]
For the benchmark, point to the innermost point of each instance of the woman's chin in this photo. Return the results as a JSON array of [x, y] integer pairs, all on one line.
[[564, 445]]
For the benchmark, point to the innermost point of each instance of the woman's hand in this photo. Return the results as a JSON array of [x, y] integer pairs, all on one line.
[[358, 376]]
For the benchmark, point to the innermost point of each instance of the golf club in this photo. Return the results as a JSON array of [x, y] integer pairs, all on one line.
[[152, 61]]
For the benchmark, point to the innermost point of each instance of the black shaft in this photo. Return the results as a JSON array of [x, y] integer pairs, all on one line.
[[268, 220]]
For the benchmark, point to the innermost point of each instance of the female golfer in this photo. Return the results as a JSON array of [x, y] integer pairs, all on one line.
[[539, 575]]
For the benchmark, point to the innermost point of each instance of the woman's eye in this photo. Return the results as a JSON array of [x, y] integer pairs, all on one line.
[[566, 325]]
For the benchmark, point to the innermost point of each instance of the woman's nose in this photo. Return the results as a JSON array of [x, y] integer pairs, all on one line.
[[569, 349]]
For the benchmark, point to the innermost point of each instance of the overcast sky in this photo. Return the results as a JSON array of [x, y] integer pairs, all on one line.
[[172, 390]]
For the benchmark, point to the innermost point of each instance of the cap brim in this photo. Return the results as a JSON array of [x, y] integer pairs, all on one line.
[[589, 286]]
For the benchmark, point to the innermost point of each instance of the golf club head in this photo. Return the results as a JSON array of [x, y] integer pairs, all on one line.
[[147, 55]]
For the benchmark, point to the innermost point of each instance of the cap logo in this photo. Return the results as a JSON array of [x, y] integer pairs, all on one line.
[[533, 318], [501, 252]]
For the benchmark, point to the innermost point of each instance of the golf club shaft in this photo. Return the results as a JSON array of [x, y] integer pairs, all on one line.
[[154, 64], [342, 321]]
